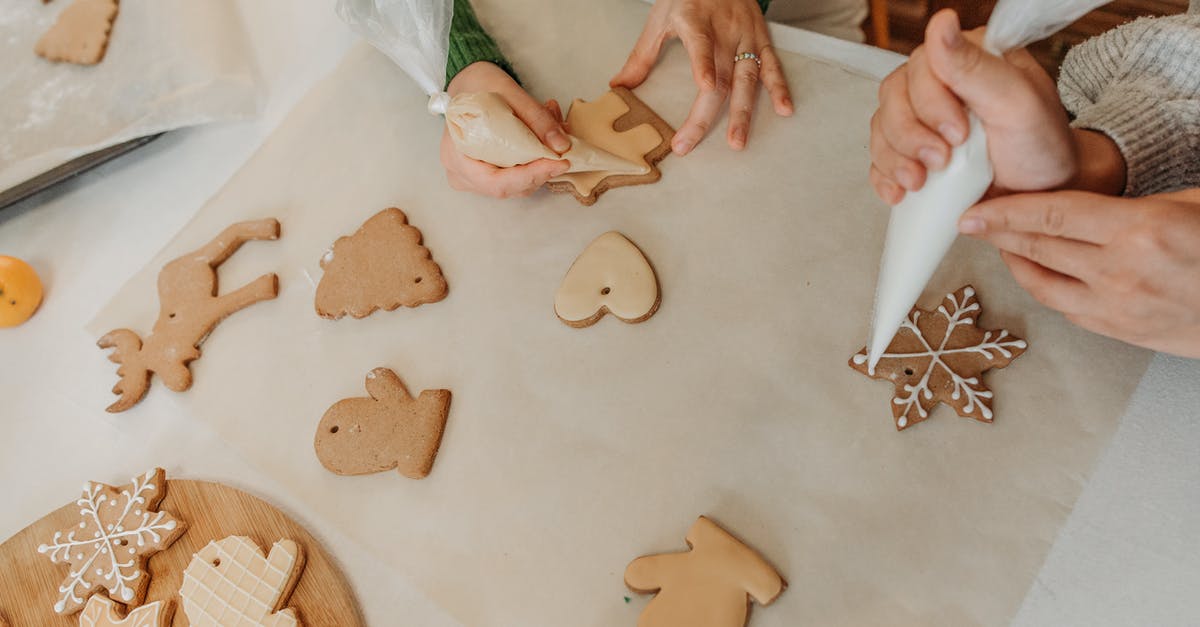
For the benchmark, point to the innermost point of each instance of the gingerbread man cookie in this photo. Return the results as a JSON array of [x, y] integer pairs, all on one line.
[[189, 310], [100, 611], [391, 429], [940, 356], [117, 532], [619, 123], [230, 582], [81, 33], [610, 275], [381, 266], [709, 586]]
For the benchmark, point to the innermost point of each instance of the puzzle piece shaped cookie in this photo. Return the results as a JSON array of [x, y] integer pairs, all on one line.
[[940, 357], [709, 586], [81, 33], [610, 275], [391, 429], [381, 266], [100, 611], [619, 123], [230, 582]]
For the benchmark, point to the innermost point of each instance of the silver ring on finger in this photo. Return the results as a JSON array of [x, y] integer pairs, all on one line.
[[743, 56]]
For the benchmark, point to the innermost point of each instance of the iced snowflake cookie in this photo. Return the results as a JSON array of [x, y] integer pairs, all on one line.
[[391, 429], [230, 582], [81, 33], [620, 123], [610, 275], [940, 356], [381, 266], [711, 585], [100, 611], [189, 309], [117, 532]]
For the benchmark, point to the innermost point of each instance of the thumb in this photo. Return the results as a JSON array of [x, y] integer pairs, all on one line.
[[541, 121], [983, 81]]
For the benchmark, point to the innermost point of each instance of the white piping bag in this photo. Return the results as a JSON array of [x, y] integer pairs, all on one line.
[[925, 223], [415, 34]]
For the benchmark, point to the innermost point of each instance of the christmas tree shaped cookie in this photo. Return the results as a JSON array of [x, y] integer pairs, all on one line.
[[381, 266], [709, 586]]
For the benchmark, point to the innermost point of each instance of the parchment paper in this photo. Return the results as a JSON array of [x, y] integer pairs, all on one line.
[[570, 452], [169, 64]]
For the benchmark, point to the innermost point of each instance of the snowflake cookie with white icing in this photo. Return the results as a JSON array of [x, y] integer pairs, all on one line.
[[118, 531], [940, 356]]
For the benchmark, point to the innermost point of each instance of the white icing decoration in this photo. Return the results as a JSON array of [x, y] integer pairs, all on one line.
[[244, 589], [100, 611]]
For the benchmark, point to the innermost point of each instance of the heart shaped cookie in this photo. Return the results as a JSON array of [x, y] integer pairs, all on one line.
[[610, 276]]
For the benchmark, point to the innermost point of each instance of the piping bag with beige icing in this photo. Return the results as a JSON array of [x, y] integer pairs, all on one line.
[[925, 223], [415, 34]]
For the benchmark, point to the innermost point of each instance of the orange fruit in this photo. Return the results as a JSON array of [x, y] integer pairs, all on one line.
[[20, 291]]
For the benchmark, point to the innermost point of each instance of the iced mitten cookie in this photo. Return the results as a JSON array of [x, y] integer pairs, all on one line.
[[381, 266], [189, 309], [610, 275], [619, 123], [81, 33], [391, 429], [940, 356], [230, 582], [118, 531], [100, 611], [711, 585]]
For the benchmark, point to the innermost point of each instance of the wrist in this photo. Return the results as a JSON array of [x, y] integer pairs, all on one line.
[[1101, 164]]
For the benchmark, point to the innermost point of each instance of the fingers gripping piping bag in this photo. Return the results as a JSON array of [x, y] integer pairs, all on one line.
[[415, 34], [925, 223]]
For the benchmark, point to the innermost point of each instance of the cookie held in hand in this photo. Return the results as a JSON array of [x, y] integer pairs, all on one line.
[[940, 356], [391, 429], [711, 585], [610, 275], [381, 266]]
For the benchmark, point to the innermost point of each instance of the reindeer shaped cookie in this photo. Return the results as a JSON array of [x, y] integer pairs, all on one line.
[[189, 309]]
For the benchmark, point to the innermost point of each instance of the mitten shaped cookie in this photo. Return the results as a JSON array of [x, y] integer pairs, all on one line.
[[709, 586], [231, 582]]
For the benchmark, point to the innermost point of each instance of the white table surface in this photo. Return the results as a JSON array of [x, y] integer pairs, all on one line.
[[1128, 554]]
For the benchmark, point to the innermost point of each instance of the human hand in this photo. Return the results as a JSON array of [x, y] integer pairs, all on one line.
[[1125, 268], [922, 115], [712, 31], [467, 174]]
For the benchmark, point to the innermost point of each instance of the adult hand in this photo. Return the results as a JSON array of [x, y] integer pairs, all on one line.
[[545, 120], [712, 31], [1125, 268], [922, 115]]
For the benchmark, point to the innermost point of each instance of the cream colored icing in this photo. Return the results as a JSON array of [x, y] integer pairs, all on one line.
[[611, 273], [484, 127], [593, 123]]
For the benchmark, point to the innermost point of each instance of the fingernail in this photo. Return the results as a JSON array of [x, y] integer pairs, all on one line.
[[971, 225], [739, 140], [558, 140], [906, 179], [682, 146], [952, 133], [562, 168], [953, 38], [931, 158]]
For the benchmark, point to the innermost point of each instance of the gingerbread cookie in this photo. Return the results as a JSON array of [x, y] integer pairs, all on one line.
[[230, 582], [100, 611], [940, 356], [81, 33], [391, 429], [620, 123], [189, 310], [117, 532], [382, 266], [610, 275], [711, 585]]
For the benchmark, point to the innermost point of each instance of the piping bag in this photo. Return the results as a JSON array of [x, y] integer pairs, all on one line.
[[925, 223], [415, 34]]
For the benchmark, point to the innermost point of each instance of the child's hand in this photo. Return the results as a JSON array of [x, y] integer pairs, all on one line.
[[465, 173], [921, 115]]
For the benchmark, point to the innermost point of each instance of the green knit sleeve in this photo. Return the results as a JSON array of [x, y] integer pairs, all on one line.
[[763, 4], [470, 43]]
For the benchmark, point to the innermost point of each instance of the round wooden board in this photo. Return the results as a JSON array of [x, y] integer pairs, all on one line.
[[212, 511]]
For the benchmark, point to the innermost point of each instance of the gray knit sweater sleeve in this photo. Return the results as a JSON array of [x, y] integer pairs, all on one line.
[[1140, 85]]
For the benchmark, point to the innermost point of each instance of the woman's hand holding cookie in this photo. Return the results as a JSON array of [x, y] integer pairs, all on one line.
[[714, 32], [545, 120], [1128, 268]]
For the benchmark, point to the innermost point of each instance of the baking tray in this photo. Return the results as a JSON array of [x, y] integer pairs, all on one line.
[[79, 165]]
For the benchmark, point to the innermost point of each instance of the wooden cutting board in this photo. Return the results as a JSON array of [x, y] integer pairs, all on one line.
[[212, 511]]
